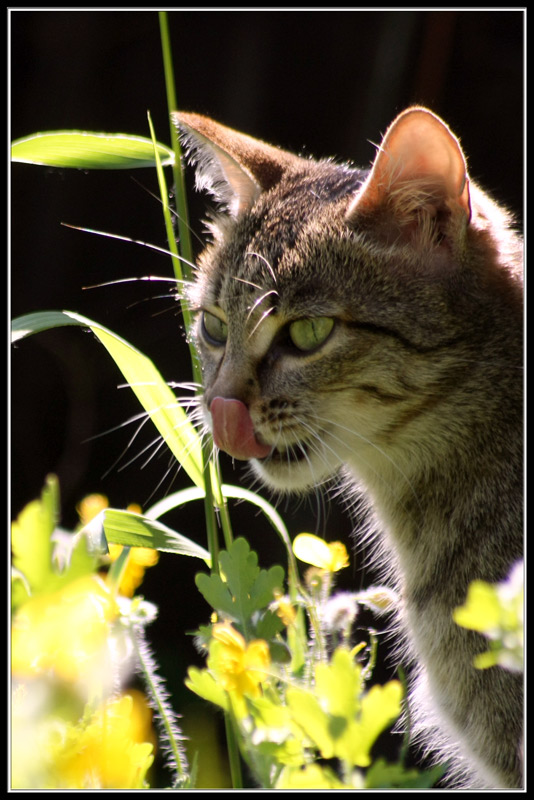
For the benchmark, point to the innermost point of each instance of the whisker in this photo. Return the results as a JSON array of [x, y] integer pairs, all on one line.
[[261, 319], [259, 301], [159, 441], [149, 299], [184, 402], [175, 467], [135, 418], [150, 278], [266, 262], [190, 386], [129, 239], [173, 211], [248, 283], [131, 441]]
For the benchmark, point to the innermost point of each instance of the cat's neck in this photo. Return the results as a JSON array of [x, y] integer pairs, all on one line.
[[452, 486]]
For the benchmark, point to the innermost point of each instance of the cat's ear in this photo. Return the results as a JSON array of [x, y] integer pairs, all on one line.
[[419, 167], [233, 167]]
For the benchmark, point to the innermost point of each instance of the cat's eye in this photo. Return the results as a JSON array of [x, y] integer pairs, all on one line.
[[215, 330], [307, 334]]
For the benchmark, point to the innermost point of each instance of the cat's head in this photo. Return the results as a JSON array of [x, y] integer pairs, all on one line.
[[323, 304]]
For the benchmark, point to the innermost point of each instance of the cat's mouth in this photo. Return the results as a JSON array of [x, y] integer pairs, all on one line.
[[233, 431], [297, 465], [292, 454]]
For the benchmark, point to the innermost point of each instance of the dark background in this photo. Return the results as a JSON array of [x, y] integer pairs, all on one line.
[[326, 83]]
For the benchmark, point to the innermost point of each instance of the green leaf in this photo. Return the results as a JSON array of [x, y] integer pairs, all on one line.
[[263, 589], [135, 530], [228, 491], [268, 712], [216, 593], [46, 557], [496, 610], [286, 752], [486, 660], [312, 776], [339, 721], [31, 538], [279, 652], [382, 775], [267, 625], [338, 684], [245, 590], [155, 396], [175, 500], [251, 588], [204, 684], [380, 706], [76, 555], [306, 711], [20, 589], [240, 567], [87, 150], [481, 611]]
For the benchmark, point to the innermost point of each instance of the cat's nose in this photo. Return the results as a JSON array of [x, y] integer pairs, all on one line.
[[234, 380], [233, 430]]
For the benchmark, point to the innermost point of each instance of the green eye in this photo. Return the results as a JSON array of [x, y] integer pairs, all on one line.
[[307, 334], [215, 330]]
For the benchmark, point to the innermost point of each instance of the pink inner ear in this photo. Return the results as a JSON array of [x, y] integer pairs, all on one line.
[[233, 430]]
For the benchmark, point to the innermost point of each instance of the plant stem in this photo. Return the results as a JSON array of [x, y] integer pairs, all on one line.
[[408, 732], [181, 204], [164, 713], [117, 569], [183, 268], [212, 531], [222, 505], [187, 259], [233, 751]]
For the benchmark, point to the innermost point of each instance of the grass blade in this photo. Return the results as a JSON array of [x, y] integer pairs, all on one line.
[[86, 150], [136, 530], [155, 396]]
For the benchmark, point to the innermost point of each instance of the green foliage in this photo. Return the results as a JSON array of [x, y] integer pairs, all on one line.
[[146, 382], [382, 775], [496, 611], [68, 647], [343, 721], [298, 721], [87, 150], [44, 559], [246, 590], [136, 530], [206, 686]]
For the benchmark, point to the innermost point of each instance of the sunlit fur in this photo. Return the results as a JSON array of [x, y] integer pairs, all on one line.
[[415, 397]]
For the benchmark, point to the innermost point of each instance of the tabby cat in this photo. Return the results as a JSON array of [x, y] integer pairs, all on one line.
[[368, 324]]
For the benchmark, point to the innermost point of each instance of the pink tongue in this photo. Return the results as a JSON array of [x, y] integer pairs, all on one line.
[[233, 430]]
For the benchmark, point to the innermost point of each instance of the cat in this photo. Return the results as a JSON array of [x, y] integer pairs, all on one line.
[[369, 323]]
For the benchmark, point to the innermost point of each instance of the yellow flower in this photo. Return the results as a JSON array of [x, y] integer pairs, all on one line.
[[284, 609], [110, 751], [138, 560], [328, 556], [63, 633], [139, 557], [90, 506], [339, 558], [239, 667]]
